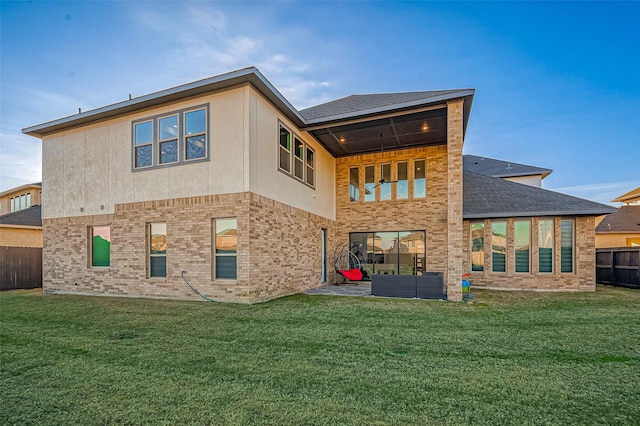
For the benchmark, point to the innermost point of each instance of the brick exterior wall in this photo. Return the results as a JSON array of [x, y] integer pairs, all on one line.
[[582, 279], [279, 249], [427, 214], [455, 239], [20, 237]]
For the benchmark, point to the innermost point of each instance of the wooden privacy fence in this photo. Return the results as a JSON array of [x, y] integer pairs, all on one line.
[[20, 267], [618, 266]]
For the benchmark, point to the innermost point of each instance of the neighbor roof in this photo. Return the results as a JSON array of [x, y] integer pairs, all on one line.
[[31, 216], [626, 220], [21, 188], [490, 197], [499, 168], [375, 114], [633, 195]]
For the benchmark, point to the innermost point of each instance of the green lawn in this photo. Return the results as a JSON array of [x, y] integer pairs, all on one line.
[[508, 358]]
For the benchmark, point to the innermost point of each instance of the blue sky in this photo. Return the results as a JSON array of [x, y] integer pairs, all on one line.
[[557, 84]]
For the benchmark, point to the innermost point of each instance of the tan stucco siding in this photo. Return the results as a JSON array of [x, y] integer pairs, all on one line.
[[88, 170], [273, 183], [616, 240]]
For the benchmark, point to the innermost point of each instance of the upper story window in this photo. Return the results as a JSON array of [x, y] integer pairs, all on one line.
[[354, 184], [419, 179], [379, 182], [295, 157], [168, 139], [20, 202]]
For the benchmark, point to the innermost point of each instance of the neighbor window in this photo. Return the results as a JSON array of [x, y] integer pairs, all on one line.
[[419, 179], [20, 202], [157, 249], [402, 186], [545, 246], [100, 245], [477, 247], [369, 183], [354, 184], [522, 230], [499, 246], [566, 245], [226, 248], [175, 138]]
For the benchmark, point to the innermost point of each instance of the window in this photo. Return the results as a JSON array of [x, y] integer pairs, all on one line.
[[385, 188], [157, 249], [285, 149], [419, 179], [143, 144], [389, 253], [20, 202], [545, 246], [226, 248], [301, 155], [369, 183], [100, 245], [195, 134], [310, 166], [499, 246], [523, 245], [566, 246], [298, 159], [354, 184], [477, 247], [168, 143], [170, 139], [402, 186]]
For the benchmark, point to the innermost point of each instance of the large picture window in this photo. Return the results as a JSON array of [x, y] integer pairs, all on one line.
[[100, 245], [389, 253], [477, 247], [545, 245], [226, 249], [169, 139], [157, 249]]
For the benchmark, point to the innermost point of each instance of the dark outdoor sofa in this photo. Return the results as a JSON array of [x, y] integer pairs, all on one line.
[[429, 285]]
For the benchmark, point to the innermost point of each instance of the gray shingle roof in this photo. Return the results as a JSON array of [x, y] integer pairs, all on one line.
[[626, 219], [27, 217], [360, 104], [491, 197], [498, 168]]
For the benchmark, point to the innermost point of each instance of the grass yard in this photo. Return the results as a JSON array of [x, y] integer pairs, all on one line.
[[508, 358]]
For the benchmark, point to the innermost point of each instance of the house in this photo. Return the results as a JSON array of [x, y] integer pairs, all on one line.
[[21, 248], [21, 197], [622, 228], [223, 182]]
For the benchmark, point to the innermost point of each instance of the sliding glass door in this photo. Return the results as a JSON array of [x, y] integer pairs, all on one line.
[[389, 253]]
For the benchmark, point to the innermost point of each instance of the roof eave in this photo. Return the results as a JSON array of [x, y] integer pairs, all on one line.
[[586, 212], [403, 106], [223, 81]]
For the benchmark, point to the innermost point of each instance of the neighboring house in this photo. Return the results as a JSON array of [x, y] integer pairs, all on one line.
[[622, 228], [515, 172], [21, 249], [224, 180], [21, 197]]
